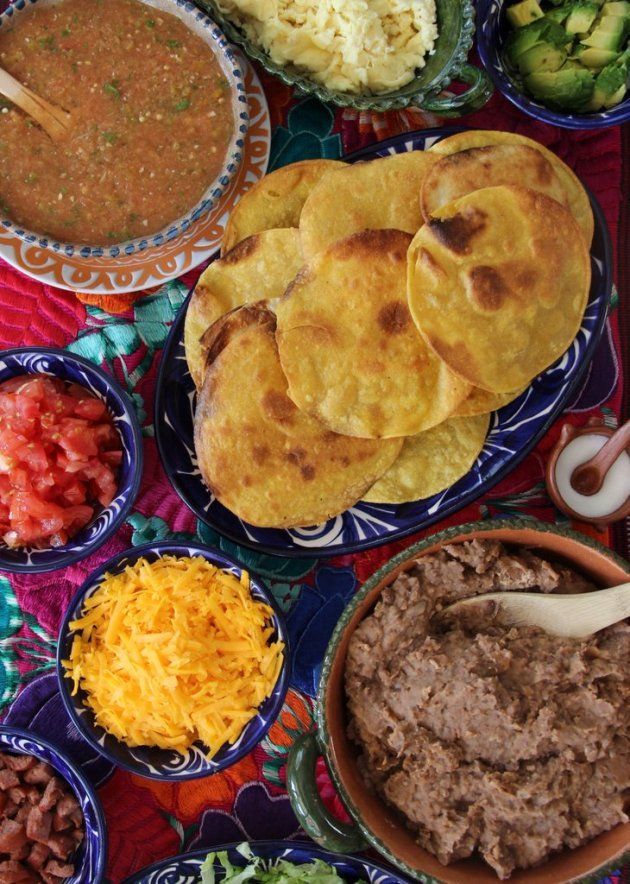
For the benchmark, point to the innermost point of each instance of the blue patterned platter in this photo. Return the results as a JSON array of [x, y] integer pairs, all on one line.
[[92, 855], [68, 367], [514, 430], [150, 761], [184, 869]]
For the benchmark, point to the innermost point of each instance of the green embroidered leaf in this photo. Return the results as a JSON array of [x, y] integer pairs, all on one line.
[[10, 614], [273, 567], [90, 345]]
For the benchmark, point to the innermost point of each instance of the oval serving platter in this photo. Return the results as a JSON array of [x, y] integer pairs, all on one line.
[[184, 869], [514, 429]]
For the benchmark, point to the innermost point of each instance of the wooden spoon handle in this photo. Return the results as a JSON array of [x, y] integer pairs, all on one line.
[[54, 120], [589, 477]]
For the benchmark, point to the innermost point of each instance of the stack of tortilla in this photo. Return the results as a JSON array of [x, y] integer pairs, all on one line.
[[364, 321]]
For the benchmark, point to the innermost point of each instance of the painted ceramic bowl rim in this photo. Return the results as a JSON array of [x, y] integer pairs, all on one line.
[[88, 788], [219, 46], [314, 849], [491, 58], [439, 538], [66, 555], [217, 557]]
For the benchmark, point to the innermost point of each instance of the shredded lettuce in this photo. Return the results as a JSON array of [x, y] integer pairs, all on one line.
[[260, 871]]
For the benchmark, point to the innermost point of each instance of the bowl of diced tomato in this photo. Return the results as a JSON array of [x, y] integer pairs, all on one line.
[[70, 458]]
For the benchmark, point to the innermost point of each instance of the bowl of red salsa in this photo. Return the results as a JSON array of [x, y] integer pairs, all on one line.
[[70, 458]]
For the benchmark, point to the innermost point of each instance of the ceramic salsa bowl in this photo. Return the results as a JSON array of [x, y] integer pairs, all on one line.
[[151, 761], [92, 855], [207, 30], [492, 30], [374, 823], [68, 367], [446, 64]]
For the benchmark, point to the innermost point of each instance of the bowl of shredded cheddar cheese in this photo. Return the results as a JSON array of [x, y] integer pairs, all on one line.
[[172, 660], [364, 54]]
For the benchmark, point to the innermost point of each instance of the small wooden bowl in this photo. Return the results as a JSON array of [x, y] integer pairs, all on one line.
[[379, 825]]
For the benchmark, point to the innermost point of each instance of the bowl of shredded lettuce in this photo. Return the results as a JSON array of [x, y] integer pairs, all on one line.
[[265, 862]]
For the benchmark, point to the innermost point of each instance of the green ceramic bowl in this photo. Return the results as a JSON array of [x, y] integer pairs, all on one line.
[[456, 24], [373, 823]]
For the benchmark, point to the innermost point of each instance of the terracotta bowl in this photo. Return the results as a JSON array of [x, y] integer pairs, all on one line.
[[374, 823]]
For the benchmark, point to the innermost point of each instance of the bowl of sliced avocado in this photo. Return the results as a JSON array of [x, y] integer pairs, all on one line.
[[566, 62]]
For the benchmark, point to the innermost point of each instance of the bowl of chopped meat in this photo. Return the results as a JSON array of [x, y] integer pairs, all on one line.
[[52, 827]]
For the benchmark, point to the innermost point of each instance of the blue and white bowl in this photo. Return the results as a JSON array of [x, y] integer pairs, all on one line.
[[68, 367], [203, 27], [91, 857], [492, 30], [184, 869], [151, 761]]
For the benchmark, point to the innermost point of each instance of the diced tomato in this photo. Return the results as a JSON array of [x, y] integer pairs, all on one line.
[[59, 457]]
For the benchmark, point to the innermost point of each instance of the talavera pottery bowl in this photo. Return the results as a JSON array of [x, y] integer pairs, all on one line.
[[184, 869], [374, 823], [68, 367], [151, 761], [91, 856], [447, 63], [200, 25], [492, 30]]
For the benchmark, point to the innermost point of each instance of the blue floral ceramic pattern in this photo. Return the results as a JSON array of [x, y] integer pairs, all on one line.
[[150, 761], [61, 364], [208, 30], [185, 869], [514, 430], [491, 32], [92, 855]]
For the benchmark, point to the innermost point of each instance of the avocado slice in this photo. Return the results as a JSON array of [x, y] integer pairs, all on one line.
[[566, 89], [607, 35], [540, 31], [615, 8], [581, 18], [596, 59], [559, 13], [543, 57], [610, 86], [523, 13]]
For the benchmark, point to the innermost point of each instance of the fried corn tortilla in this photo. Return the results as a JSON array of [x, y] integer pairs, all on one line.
[[259, 267], [461, 173], [349, 348], [275, 201], [377, 195], [269, 463], [482, 402], [498, 284], [579, 202], [431, 461]]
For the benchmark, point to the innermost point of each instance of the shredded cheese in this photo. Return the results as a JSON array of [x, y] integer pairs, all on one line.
[[174, 651]]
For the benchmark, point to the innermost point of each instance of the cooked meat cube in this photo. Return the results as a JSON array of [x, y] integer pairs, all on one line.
[[18, 762], [13, 872], [22, 814], [39, 773], [62, 870], [4, 800], [53, 792], [61, 845], [78, 835], [21, 852], [67, 804], [38, 824], [10, 809], [8, 779], [33, 794], [61, 823], [18, 794], [77, 817], [12, 836], [38, 856]]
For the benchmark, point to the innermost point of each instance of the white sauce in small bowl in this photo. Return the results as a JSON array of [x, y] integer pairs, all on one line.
[[615, 489]]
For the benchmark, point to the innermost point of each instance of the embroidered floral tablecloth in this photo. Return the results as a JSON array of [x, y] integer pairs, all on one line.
[[146, 819]]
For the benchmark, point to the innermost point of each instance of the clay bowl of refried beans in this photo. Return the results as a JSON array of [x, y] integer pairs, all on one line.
[[158, 116], [469, 751]]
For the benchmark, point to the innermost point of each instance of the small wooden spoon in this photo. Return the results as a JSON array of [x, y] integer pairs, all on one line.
[[569, 616], [589, 477], [55, 121]]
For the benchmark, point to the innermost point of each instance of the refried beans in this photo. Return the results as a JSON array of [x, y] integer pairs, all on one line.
[[502, 740], [151, 120]]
